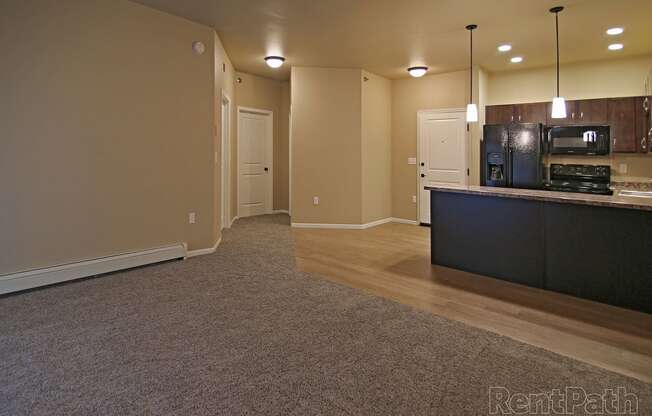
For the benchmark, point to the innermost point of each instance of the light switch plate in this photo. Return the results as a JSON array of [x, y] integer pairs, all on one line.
[[622, 168], [315, 200], [192, 218], [414, 199], [412, 160]]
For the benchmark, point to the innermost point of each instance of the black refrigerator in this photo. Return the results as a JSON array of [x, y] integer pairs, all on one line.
[[512, 156]]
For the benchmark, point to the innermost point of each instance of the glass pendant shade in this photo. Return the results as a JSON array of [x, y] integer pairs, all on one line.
[[471, 113], [558, 107]]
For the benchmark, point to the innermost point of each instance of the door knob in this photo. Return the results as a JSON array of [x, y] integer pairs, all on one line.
[[266, 169], [423, 176]]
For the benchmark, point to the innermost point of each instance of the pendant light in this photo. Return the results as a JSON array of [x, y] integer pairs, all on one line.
[[558, 103], [471, 109]]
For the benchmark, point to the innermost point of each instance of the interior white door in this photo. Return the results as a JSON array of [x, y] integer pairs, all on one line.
[[254, 163], [442, 154]]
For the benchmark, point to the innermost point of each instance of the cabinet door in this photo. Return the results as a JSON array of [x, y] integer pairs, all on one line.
[[570, 114], [642, 117], [591, 111], [622, 122], [499, 114], [530, 113]]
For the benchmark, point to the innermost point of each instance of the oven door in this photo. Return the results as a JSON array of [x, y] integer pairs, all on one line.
[[578, 140]]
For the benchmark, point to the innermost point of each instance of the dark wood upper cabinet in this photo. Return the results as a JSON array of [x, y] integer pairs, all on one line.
[[591, 111], [499, 114], [621, 118], [530, 113], [629, 118], [642, 117]]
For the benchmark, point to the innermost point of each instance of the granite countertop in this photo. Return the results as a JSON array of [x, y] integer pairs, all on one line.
[[615, 201]]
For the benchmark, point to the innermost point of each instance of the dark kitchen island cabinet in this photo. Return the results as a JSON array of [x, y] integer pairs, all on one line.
[[589, 246]]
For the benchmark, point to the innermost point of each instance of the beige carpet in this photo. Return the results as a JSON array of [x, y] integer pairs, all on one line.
[[241, 332]]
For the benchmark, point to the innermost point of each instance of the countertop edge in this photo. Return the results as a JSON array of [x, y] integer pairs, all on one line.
[[547, 196]]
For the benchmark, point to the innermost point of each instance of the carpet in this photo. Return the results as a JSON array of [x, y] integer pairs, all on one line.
[[242, 332]]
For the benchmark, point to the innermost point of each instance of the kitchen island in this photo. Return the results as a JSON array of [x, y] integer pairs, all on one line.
[[594, 247]]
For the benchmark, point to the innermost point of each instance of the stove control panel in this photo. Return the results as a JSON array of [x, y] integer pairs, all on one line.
[[580, 171]]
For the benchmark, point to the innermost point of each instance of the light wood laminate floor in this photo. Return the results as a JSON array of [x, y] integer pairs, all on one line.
[[393, 261]]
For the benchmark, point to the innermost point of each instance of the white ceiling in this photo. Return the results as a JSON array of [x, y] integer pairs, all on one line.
[[387, 36]]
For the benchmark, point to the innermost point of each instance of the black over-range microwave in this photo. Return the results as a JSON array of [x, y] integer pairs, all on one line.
[[578, 140]]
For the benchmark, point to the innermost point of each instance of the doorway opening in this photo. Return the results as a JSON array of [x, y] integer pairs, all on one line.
[[226, 161]]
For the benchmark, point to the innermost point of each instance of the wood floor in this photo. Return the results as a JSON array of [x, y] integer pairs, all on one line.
[[393, 261]]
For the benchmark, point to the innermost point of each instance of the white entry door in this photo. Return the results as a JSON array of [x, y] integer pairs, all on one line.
[[254, 162], [442, 153]]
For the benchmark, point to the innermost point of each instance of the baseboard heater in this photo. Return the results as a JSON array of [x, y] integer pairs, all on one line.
[[42, 277]]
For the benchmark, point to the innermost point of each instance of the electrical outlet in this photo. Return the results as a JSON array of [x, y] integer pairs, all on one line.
[[414, 199], [412, 160], [192, 218], [315, 200], [622, 168]]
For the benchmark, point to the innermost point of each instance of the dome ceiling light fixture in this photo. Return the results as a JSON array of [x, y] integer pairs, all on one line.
[[471, 108], [616, 46], [505, 48], [417, 71], [274, 61]]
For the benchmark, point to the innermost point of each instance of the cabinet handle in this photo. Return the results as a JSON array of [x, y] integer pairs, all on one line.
[[644, 143], [573, 116], [512, 118], [649, 133], [582, 114], [519, 117], [646, 105]]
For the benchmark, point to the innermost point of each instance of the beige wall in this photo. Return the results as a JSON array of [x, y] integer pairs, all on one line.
[[107, 121], [326, 145], [267, 94], [614, 78], [282, 178], [448, 90], [376, 145]]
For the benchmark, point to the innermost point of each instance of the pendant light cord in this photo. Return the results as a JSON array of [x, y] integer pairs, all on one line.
[[557, 33], [471, 28]]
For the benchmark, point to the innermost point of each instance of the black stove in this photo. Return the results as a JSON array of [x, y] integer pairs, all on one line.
[[580, 178]]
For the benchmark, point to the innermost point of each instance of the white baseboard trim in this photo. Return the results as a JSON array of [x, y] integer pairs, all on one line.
[[233, 220], [57, 274], [404, 221], [203, 251], [280, 211], [353, 226]]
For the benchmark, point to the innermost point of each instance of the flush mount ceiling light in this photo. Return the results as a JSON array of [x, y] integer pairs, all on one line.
[[615, 46], [558, 103], [274, 61], [615, 31], [471, 109], [417, 71], [516, 60], [505, 48]]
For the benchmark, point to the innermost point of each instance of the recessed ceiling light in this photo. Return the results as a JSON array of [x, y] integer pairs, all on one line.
[[505, 48], [615, 46], [418, 71], [615, 31], [517, 59], [274, 61]]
